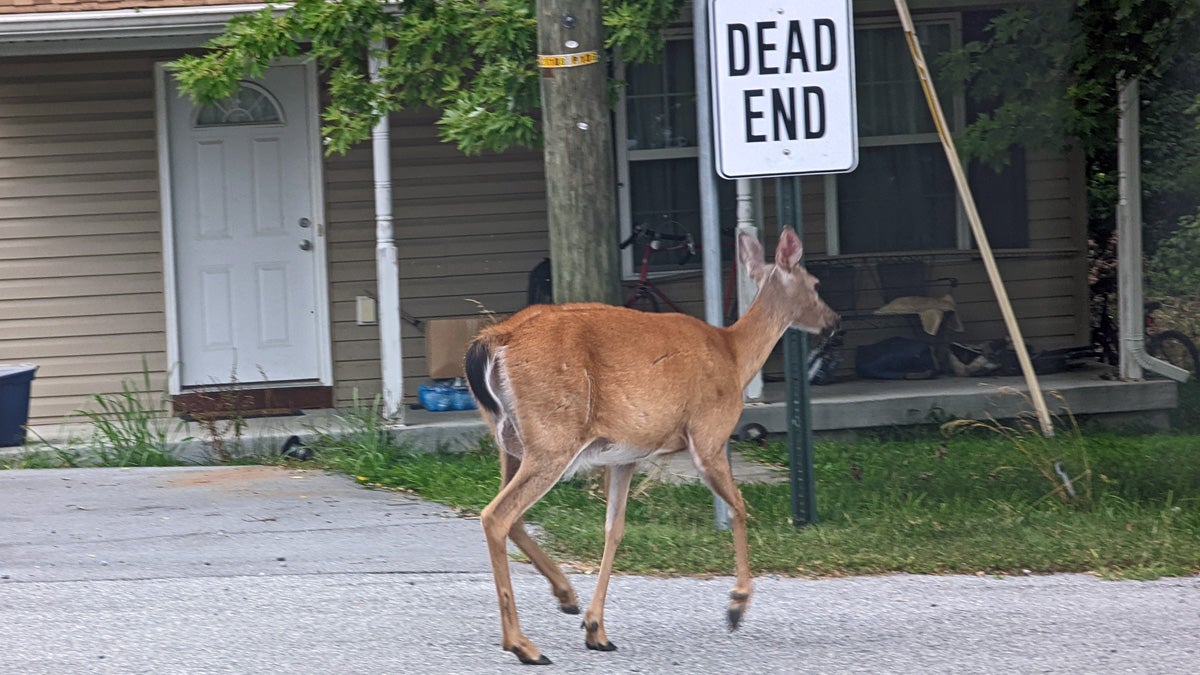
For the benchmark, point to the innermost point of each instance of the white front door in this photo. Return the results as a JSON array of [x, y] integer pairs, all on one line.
[[248, 276]]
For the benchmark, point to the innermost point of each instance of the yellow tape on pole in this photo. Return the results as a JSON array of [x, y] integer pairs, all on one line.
[[985, 249], [567, 60]]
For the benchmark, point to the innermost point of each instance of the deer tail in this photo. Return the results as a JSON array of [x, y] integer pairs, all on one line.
[[478, 362]]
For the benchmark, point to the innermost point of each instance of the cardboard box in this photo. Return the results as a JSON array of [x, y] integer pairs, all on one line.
[[446, 343]]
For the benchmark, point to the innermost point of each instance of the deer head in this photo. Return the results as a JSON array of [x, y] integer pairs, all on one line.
[[785, 287]]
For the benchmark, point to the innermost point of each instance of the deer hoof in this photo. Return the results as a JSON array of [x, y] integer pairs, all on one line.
[[541, 660], [601, 646], [566, 600], [735, 616]]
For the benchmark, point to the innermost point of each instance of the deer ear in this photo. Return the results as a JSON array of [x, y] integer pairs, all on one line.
[[750, 252], [787, 255]]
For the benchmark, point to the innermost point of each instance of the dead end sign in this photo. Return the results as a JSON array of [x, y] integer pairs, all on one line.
[[783, 87]]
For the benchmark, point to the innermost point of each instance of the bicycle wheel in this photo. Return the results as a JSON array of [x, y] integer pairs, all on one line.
[[1104, 341], [1175, 348]]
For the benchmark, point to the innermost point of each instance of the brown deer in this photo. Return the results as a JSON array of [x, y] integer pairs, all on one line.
[[564, 387]]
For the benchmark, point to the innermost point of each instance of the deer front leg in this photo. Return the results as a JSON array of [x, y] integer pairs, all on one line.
[[527, 486], [709, 457], [619, 478]]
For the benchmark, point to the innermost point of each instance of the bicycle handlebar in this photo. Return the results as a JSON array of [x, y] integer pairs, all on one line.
[[639, 230], [633, 235]]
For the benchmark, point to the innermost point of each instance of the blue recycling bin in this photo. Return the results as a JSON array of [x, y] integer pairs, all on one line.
[[14, 402]]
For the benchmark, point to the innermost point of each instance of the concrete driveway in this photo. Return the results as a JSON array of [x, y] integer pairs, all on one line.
[[262, 569]]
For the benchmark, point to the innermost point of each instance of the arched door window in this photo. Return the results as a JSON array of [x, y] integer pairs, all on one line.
[[250, 105]]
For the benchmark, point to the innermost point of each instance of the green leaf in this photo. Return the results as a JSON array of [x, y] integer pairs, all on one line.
[[473, 59]]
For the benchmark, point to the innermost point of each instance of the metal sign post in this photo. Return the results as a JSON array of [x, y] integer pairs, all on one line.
[[783, 104], [795, 365], [710, 230]]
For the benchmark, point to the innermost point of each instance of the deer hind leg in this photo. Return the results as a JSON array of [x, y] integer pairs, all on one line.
[[559, 585], [529, 482], [619, 478], [708, 454]]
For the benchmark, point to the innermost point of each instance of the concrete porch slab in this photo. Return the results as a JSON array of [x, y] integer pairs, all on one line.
[[842, 406], [865, 404]]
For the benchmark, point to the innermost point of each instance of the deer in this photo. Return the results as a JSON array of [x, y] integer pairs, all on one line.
[[567, 387]]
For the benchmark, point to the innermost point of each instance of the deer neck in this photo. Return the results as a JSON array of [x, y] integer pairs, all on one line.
[[756, 332]]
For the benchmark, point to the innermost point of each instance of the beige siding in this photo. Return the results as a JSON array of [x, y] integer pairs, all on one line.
[[1047, 283], [1057, 209], [467, 229], [81, 258], [80, 244]]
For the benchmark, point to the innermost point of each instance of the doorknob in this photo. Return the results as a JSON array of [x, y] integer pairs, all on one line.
[[306, 245]]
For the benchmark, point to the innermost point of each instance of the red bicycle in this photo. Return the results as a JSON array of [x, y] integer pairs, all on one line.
[[646, 295], [673, 239]]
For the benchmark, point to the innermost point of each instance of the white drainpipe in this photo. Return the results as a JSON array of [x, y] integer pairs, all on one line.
[[746, 288], [1129, 246], [387, 267]]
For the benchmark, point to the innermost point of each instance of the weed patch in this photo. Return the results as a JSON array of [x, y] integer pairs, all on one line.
[[127, 429]]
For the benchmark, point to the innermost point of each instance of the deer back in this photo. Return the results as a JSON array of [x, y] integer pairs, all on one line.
[[579, 372]]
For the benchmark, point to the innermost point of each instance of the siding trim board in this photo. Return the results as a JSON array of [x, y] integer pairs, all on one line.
[[167, 232], [74, 32]]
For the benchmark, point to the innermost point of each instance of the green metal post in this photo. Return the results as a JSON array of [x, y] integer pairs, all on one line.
[[795, 360]]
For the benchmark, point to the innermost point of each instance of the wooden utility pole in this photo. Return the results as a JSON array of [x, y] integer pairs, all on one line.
[[576, 121]]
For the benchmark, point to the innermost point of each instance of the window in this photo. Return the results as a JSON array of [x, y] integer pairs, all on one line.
[[658, 157], [249, 105], [902, 195]]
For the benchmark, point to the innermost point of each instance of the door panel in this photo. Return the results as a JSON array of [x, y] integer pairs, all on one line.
[[246, 288]]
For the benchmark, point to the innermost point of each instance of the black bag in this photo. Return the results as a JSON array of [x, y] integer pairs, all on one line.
[[896, 358], [541, 289]]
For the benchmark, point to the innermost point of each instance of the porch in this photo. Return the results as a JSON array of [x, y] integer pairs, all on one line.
[[865, 404], [849, 406]]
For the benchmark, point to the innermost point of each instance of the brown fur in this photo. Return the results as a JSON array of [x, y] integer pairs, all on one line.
[[581, 384]]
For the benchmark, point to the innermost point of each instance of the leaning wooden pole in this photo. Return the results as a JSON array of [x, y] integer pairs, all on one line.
[[964, 192]]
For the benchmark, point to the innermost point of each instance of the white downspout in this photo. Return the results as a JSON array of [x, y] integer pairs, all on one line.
[[1130, 297], [387, 266], [746, 289]]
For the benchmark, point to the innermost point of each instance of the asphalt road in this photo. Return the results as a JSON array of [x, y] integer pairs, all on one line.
[[267, 570]]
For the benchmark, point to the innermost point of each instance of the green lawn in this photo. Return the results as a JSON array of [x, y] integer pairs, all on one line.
[[904, 501], [922, 503]]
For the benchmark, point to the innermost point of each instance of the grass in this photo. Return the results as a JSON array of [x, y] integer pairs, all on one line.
[[919, 503]]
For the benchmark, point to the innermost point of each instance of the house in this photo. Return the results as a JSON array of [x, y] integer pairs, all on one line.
[[123, 211]]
